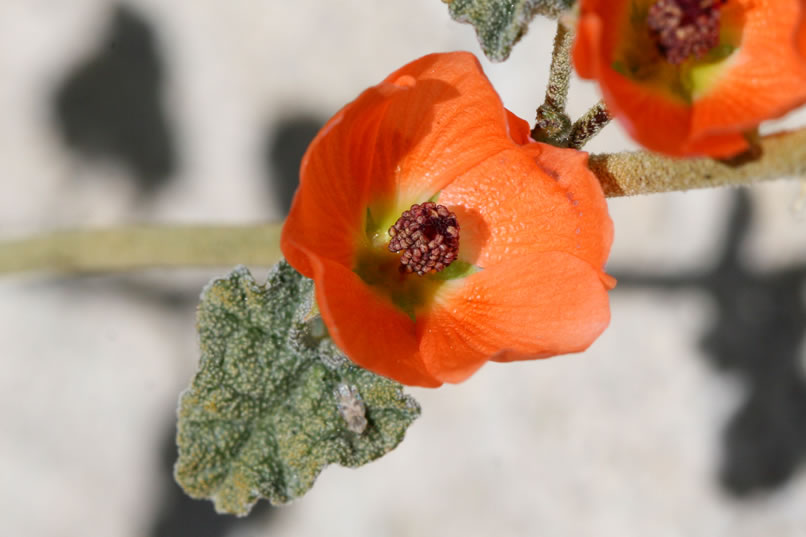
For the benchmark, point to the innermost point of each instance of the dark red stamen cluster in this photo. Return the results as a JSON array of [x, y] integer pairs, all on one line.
[[428, 236], [685, 28]]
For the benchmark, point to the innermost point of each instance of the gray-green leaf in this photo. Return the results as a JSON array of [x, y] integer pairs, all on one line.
[[501, 23], [274, 401]]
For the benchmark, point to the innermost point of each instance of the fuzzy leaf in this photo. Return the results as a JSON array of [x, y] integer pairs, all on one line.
[[274, 401], [501, 23]]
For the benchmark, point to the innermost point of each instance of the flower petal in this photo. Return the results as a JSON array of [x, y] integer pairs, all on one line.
[[367, 327], [633, 105], [802, 34], [598, 28], [329, 207], [765, 80], [432, 133], [527, 307], [398, 143], [583, 189], [536, 198], [640, 109], [519, 130]]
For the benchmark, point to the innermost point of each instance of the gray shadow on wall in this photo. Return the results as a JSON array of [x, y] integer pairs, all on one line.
[[286, 143], [110, 106], [757, 337]]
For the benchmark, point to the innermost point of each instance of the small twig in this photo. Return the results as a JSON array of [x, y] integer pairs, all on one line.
[[142, 247], [627, 174], [552, 124], [589, 125], [560, 70]]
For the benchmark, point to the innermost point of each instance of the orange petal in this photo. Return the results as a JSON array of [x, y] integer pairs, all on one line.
[[450, 119], [598, 31], [570, 168], [510, 206], [635, 106], [802, 34], [527, 307], [585, 51], [717, 145], [519, 130], [375, 334], [660, 123], [404, 140], [329, 207], [767, 77]]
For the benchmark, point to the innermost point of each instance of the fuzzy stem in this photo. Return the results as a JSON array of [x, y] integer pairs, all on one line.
[[629, 173], [132, 248], [552, 124], [589, 125], [621, 174], [560, 70]]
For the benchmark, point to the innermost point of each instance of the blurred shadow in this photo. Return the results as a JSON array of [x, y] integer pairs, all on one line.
[[174, 513], [286, 143], [757, 335], [110, 106]]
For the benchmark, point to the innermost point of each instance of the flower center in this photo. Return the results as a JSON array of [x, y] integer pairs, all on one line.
[[684, 28], [428, 236]]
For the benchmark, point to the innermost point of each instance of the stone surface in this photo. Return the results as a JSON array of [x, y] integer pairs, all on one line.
[[624, 439]]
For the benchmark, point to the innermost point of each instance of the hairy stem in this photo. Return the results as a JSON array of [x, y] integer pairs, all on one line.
[[142, 247], [589, 125], [560, 70], [627, 174], [621, 174], [552, 124]]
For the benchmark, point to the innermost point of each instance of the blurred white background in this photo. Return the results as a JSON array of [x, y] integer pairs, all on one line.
[[687, 418]]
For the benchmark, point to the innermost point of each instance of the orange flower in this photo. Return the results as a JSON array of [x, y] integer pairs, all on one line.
[[691, 77], [515, 234]]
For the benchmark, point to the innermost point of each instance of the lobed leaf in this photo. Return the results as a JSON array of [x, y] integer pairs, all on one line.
[[500, 24], [274, 401]]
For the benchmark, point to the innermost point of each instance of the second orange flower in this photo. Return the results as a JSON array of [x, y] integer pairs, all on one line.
[[692, 77]]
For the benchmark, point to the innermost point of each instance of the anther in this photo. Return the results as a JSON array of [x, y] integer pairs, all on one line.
[[428, 236], [685, 28]]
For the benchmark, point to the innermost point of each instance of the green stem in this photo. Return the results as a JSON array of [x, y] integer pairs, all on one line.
[[589, 125], [560, 70], [630, 173], [621, 174], [552, 124], [142, 247]]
